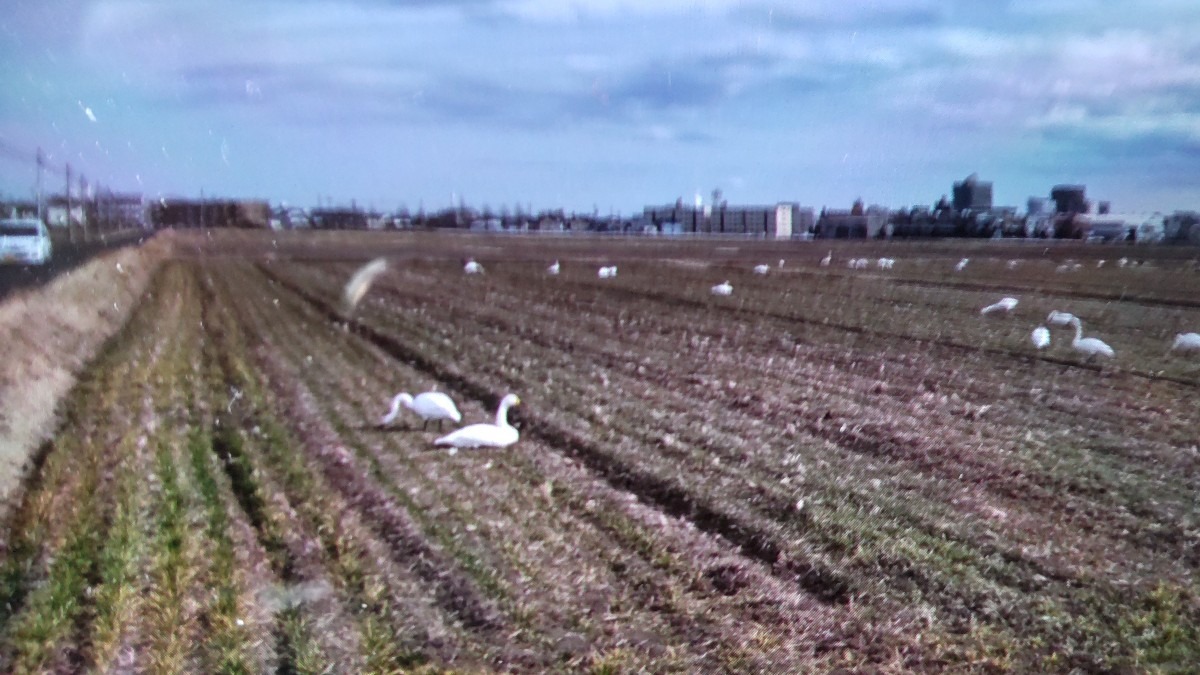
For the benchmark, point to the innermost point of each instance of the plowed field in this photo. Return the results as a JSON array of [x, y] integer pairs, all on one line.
[[830, 468]]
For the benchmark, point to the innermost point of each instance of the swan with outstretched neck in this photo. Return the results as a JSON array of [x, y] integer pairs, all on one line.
[[1090, 346], [498, 435], [432, 406]]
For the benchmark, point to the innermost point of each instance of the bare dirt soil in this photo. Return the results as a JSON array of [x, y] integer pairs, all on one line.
[[830, 469]]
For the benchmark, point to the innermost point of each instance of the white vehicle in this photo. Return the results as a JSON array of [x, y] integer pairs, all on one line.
[[24, 241]]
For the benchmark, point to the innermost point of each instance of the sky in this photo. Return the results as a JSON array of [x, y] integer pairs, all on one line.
[[604, 105]]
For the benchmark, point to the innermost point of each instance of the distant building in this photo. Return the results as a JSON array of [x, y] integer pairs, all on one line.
[[972, 193], [1069, 199], [857, 223], [175, 212], [781, 221]]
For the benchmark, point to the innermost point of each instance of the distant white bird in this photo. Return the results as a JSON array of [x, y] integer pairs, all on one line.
[[358, 285], [432, 406], [553, 268], [827, 259], [1004, 305], [1100, 263], [1122, 262], [1040, 337], [1012, 264], [722, 288], [1090, 346], [781, 263], [498, 435], [472, 267], [1186, 342], [607, 272], [1057, 318], [761, 269], [962, 265], [886, 263]]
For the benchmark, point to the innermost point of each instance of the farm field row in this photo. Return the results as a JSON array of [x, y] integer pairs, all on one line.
[[828, 468]]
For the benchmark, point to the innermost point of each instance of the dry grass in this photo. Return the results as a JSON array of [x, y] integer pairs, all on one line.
[[51, 334]]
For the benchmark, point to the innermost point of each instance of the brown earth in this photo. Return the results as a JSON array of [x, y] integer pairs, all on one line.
[[829, 469]]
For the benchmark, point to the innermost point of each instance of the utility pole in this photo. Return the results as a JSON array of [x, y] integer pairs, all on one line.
[[83, 205], [70, 230], [40, 162]]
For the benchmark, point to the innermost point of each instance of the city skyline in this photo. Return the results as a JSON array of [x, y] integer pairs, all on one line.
[[606, 104]]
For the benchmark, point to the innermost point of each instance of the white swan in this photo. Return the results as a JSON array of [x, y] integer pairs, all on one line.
[[1090, 346], [432, 406], [1186, 342], [1040, 337], [1004, 305], [962, 265], [498, 435], [553, 268], [358, 285], [722, 288], [761, 269], [827, 259], [472, 267], [1057, 318]]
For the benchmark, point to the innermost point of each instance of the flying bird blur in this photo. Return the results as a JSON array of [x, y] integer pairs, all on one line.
[[361, 282]]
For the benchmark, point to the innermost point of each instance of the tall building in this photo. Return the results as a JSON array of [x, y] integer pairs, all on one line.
[[972, 193]]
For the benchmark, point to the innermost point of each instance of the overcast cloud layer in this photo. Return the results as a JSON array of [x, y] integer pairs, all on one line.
[[607, 104]]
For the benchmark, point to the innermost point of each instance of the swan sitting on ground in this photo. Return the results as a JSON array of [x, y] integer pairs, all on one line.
[[761, 269], [1090, 346], [553, 268], [498, 435], [432, 406], [607, 272], [962, 265], [1004, 305], [827, 259], [1040, 337], [1186, 342], [472, 267], [1057, 318], [722, 288]]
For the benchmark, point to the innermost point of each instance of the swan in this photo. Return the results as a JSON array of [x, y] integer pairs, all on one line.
[[1186, 342], [1090, 346], [553, 268], [781, 263], [1040, 337], [498, 435], [358, 285], [1057, 318], [606, 272], [1004, 305], [432, 406], [472, 267], [722, 288], [962, 265], [761, 269], [827, 259]]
